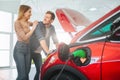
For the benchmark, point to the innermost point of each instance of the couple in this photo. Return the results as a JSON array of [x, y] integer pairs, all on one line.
[[30, 42]]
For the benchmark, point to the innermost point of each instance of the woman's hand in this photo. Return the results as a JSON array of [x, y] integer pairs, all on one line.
[[35, 23]]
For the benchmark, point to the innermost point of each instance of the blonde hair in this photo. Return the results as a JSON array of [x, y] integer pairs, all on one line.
[[22, 10]]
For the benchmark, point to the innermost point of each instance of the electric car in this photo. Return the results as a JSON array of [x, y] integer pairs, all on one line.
[[98, 40]]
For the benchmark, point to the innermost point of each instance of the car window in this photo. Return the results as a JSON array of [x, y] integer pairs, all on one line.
[[101, 30]]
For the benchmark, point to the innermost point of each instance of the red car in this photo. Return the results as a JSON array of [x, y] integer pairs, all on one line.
[[103, 52]]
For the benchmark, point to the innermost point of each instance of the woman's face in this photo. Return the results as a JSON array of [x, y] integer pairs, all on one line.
[[27, 14]]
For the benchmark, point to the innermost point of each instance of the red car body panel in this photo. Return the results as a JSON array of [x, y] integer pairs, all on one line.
[[105, 56]]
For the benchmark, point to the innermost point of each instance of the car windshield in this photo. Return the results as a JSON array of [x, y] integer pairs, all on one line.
[[101, 30]]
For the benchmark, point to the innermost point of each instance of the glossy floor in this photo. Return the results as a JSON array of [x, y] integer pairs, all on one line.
[[11, 74]]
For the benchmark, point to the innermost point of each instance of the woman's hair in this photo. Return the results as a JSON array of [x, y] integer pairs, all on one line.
[[22, 10]]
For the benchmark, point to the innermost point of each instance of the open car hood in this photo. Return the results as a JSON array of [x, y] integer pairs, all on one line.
[[70, 19]]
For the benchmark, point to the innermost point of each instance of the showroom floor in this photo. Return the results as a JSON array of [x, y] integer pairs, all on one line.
[[10, 74]]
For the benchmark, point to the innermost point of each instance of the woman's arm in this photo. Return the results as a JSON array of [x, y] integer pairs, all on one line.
[[21, 33]]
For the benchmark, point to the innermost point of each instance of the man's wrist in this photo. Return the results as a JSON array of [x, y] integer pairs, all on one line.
[[49, 52]]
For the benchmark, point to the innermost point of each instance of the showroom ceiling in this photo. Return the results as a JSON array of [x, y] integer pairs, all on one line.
[[93, 9]]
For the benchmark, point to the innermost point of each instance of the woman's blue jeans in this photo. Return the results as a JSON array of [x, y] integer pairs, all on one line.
[[22, 59]]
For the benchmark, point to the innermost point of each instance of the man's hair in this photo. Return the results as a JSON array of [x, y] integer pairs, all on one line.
[[52, 14]]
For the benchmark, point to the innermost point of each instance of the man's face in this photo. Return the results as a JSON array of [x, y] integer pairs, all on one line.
[[47, 19]]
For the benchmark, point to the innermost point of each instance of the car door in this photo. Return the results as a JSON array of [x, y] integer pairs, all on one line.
[[111, 61]]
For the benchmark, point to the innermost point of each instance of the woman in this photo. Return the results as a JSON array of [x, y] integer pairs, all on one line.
[[22, 50]]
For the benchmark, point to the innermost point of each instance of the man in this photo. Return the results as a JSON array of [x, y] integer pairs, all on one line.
[[41, 39]]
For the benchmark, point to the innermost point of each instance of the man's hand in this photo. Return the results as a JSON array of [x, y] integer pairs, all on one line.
[[50, 51]]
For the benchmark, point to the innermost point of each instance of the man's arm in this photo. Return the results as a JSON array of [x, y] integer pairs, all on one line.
[[40, 36], [44, 46], [54, 37]]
